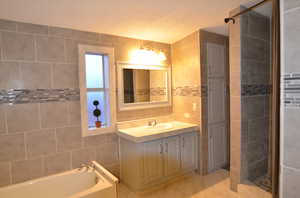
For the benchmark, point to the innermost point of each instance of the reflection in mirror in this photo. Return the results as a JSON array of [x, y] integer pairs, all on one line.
[[142, 85]]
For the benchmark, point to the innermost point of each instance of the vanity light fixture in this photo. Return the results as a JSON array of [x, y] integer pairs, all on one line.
[[147, 57]]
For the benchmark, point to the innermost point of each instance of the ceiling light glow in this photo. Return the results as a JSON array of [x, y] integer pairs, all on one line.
[[147, 57]]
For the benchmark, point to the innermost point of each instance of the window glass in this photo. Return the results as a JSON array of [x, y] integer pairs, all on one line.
[[94, 71]]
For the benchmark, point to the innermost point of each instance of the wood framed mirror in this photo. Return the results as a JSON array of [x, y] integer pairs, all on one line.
[[143, 86]]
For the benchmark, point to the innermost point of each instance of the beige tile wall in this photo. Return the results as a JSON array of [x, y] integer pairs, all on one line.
[[42, 139], [186, 81], [186, 74], [235, 62]]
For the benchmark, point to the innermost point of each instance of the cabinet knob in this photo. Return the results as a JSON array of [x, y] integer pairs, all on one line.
[[161, 148], [183, 140]]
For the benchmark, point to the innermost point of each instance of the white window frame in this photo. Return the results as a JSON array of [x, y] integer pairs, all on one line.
[[111, 89]]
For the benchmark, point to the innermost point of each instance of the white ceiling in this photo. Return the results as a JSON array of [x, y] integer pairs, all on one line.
[[158, 20]]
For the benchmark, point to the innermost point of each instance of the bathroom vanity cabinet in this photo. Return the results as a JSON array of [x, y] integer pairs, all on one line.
[[145, 164]]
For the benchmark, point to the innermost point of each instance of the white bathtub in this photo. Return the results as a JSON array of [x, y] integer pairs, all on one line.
[[98, 183]]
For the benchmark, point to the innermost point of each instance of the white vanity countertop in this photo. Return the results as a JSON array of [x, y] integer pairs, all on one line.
[[144, 134]]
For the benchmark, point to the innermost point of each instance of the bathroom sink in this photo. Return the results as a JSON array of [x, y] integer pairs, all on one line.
[[161, 130], [159, 127]]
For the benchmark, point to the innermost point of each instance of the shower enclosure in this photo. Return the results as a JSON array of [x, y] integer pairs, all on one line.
[[251, 95]]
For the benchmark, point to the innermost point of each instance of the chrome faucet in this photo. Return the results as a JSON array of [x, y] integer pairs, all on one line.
[[86, 166], [152, 123]]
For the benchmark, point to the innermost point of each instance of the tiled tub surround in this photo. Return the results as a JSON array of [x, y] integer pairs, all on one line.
[[45, 138], [44, 57], [41, 136]]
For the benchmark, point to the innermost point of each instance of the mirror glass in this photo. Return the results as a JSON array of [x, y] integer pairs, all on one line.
[[144, 85]]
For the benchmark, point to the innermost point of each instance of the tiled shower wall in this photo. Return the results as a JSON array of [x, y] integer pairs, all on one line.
[[256, 100], [290, 108], [42, 135], [250, 69]]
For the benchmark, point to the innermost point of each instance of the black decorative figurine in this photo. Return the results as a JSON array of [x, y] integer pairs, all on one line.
[[97, 114]]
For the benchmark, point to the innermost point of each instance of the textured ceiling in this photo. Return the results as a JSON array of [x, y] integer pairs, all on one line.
[[159, 20]]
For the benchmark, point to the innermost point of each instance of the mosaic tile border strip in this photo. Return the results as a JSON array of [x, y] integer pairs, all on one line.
[[156, 91], [20, 96], [254, 90], [291, 89], [190, 91]]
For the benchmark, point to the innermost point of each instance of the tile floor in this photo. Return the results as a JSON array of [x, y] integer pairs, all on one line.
[[264, 182], [215, 185]]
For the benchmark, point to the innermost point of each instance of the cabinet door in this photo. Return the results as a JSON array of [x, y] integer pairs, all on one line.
[[152, 161], [172, 155], [218, 146], [188, 151]]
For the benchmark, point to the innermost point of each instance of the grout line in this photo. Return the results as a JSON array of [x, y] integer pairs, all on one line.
[[291, 10], [10, 172], [39, 61], [25, 147], [65, 50], [5, 119], [20, 74], [56, 142], [40, 116], [43, 165], [71, 158], [290, 168], [35, 48], [52, 76], [68, 114], [1, 48]]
